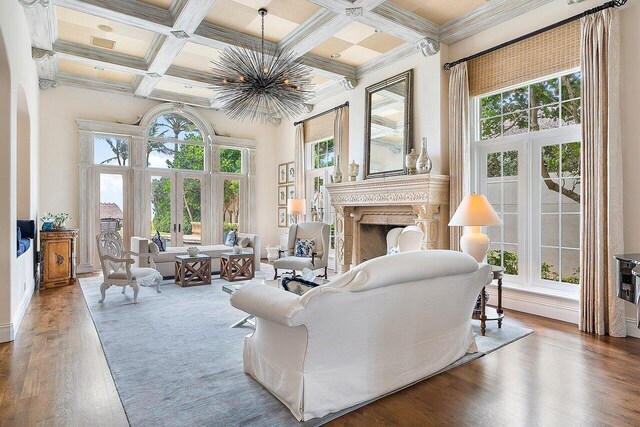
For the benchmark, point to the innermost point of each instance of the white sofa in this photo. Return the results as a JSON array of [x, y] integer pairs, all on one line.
[[165, 261], [380, 326]]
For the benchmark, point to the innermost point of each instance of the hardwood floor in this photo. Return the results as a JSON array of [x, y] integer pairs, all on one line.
[[55, 373]]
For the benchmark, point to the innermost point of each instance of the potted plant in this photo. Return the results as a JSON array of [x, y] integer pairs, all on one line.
[[54, 221]]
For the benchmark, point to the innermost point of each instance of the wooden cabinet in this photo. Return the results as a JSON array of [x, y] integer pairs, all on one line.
[[57, 258]]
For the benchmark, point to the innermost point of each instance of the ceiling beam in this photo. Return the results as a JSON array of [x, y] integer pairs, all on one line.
[[484, 17], [187, 20], [322, 25]]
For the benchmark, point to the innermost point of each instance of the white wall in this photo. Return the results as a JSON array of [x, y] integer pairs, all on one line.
[[59, 152], [18, 133], [429, 118]]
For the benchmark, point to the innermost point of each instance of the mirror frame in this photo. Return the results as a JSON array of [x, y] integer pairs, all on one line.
[[407, 76]]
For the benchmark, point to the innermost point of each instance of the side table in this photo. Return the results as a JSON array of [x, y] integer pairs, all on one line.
[[490, 313], [236, 266], [193, 270]]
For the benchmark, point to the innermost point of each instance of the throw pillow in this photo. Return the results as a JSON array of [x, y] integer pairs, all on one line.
[[232, 237], [393, 250], [158, 240], [19, 234], [305, 247], [244, 242], [297, 285]]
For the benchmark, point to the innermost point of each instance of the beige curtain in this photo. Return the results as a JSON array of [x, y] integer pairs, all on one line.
[[341, 138], [601, 311], [459, 150], [298, 163]]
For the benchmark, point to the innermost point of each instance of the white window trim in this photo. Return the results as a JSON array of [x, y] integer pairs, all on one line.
[[528, 147]]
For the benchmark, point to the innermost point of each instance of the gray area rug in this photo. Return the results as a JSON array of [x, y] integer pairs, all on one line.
[[176, 362]]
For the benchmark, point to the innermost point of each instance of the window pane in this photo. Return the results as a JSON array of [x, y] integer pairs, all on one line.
[[161, 207], [110, 150], [330, 146], [571, 112], [192, 211], [111, 202], [330, 159], [490, 106], [494, 195], [550, 264], [494, 233], [571, 231], [230, 160], [571, 159], [316, 157], [322, 147], [515, 100], [510, 259], [545, 117], [494, 165], [491, 128], [550, 161], [571, 85], [175, 156], [550, 226], [515, 124], [571, 195], [494, 256], [231, 205], [549, 198], [510, 226], [571, 266], [174, 125], [546, 92], [510, 197], [323, 161], [510, 163]]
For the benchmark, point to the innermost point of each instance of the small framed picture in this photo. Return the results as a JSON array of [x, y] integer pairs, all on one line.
[[282, 173], [282, 195], [291, 191], [282, 217], [291, 172]]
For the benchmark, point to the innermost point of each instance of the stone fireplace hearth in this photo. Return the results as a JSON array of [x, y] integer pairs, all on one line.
[[362, 207]]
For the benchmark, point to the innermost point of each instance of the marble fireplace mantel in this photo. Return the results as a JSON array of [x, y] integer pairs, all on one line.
[[399, 200]]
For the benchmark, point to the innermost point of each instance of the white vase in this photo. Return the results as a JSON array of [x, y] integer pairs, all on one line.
[[424, 163], [337, 173], [411, 160]]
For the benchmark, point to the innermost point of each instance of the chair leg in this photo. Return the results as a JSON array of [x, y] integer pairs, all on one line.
[[124, 288], [136, 288], [103, 289], [326, 276], [275, 276], [158, 281]]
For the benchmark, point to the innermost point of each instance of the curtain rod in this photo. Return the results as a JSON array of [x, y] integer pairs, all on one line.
[[346, 104], [607, 5]]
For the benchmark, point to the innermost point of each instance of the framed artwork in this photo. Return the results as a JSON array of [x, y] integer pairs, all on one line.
[[291, 191], [291, 172], [282, 217], [282, 173], [282, 195]]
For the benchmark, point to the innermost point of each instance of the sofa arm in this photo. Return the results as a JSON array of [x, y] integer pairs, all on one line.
[[140, 245], [255, 244], [267, 302]]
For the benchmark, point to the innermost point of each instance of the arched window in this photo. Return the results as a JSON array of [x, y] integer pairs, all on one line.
[[175, 142]]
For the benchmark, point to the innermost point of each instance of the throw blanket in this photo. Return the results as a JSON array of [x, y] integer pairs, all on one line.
[[297, 285]]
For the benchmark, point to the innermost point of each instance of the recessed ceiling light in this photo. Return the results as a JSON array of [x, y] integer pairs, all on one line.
[[335, 56], [105, 28], [98, 68]]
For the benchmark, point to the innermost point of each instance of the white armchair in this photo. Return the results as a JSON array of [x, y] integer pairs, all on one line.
[[405, 239], [117, 267], [385, 324], [319, 259]]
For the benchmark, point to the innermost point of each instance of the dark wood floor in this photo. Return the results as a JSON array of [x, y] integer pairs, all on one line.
[[55, 374]]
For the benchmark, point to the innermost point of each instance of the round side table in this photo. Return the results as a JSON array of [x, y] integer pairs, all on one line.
[[490, 313]]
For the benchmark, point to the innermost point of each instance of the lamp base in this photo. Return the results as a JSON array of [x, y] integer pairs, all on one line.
[[474, 243]]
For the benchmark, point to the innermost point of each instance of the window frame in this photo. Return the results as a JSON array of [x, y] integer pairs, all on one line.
[[130, 148], [528, 146]]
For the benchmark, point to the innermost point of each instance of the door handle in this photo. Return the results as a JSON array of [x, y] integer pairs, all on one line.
[[179, 228], [174, 228]]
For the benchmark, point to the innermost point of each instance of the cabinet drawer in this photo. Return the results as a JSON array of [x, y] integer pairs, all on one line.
[[57, 261]]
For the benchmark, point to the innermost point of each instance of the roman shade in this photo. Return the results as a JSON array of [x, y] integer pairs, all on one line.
[[319, 128]]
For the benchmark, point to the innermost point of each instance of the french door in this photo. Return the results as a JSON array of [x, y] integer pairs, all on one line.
[[179, 207]]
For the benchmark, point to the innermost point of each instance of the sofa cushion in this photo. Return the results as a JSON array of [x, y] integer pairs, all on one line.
[[293, 263], [408, 267], [159, 241], [232, 238], [19, 236], [23, 245], [245, 241], [136, 273]]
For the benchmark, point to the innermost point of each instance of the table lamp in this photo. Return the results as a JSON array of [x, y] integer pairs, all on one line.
[[474, 212], [296, 207]]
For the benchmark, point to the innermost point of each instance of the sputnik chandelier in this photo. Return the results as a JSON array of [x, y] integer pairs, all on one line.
[[259, 85]]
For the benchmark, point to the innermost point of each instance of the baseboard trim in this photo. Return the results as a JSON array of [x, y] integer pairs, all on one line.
[[632, 328], [8, 331], [550, 306]]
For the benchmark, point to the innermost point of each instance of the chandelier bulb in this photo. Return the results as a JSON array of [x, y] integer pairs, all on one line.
[[286, 81]]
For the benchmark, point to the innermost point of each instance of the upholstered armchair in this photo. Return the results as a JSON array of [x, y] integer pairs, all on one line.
[[405, 239], [117, 267], [319, 259]]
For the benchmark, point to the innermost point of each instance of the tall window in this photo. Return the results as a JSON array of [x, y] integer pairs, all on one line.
[[320, 166], [527, 155], [174, 142]]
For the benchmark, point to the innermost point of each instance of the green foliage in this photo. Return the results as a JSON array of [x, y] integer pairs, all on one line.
[[228, 226], [161, 200], [230, 160], [548, 272], [509, 262]]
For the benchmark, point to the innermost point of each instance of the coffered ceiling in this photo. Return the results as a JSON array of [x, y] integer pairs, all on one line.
[[161, 49]]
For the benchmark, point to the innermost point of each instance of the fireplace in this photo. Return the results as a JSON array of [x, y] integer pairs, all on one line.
[[366, 210]]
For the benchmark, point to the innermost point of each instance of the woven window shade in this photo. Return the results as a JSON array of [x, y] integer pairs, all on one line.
[[319, 128], [547, 53]]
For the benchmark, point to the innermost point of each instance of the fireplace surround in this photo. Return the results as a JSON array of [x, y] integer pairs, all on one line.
[[421, 200]]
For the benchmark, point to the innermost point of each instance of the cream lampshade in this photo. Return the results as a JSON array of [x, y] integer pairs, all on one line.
[[296, 207], [474, 212]]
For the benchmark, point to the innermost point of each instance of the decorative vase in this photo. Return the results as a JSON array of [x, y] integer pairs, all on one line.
[[58, 224], [412, 159], [424, 164], [354, 170], [337, 173], [193, 251], [47, 225]]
